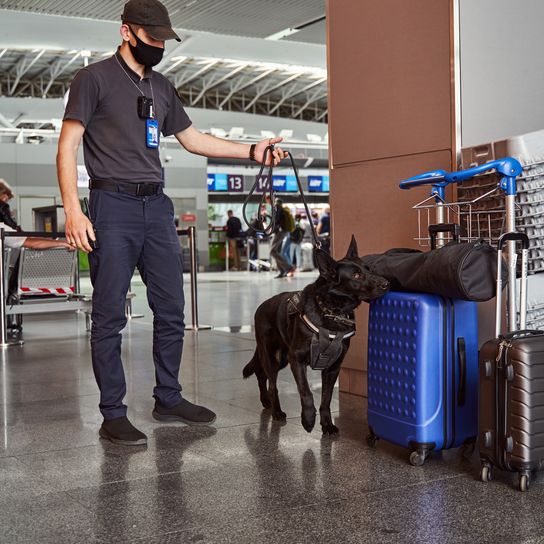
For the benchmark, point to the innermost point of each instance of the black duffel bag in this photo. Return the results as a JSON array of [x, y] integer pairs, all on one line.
[[466, 271]]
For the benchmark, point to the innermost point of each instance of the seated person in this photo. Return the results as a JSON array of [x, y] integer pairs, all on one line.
[[6, 194], [17, 242]]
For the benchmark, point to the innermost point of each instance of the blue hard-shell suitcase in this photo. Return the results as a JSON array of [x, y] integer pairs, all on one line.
[[423, 372]]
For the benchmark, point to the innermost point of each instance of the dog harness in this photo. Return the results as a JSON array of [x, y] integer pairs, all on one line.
[[326, 345]]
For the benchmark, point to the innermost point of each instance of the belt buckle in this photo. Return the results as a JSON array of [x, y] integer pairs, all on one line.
[[138, 189]]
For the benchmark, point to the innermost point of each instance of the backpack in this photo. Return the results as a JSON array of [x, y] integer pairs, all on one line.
[[288, 221], [297, 235]]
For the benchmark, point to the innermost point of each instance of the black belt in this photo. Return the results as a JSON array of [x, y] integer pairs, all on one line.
[[136, 189]]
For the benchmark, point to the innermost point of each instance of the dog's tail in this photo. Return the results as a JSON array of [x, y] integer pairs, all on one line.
[[249, 369]]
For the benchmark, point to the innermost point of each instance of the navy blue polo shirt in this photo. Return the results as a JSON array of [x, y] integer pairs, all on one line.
[[104, 98]]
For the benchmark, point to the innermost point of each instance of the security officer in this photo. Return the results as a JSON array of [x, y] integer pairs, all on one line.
[[119, 106]]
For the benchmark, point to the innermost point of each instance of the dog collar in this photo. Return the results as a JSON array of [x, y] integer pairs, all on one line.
[[315, 329], [295, 302], [329, 314]]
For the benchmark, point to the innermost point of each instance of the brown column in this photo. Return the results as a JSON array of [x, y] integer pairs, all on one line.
[[391, 116]]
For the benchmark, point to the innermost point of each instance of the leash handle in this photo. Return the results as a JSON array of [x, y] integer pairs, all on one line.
[[268, 192], [317, 242]]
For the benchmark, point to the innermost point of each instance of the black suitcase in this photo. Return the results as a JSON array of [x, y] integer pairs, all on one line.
[[511, 391]]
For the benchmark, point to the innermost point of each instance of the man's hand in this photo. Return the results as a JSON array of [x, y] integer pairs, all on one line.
[[79, 230], [277, 155]]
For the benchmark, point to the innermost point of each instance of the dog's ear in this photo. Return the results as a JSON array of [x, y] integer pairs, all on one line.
[[353, 252], [325, 263]]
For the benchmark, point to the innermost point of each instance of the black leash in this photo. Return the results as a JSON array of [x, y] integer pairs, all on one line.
[[268, 195]]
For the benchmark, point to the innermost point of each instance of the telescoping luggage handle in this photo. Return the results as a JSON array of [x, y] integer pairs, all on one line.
[[524, 239], [454, 228]]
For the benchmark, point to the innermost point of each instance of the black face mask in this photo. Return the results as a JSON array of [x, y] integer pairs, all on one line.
[[146, 54]]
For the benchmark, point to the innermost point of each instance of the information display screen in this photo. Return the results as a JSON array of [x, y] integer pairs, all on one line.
[[262, 183], [217, 182], [318, 184], [235, 183], [285, 184]]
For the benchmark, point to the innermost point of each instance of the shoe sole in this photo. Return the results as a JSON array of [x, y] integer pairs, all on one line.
[[179, 419], [107, 436]]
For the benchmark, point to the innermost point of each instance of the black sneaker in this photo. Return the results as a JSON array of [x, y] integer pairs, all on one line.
[[121, 431], [281, 275], [186, 412]]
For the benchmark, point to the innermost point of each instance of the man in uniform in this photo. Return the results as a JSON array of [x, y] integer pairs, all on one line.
[[119, 107]]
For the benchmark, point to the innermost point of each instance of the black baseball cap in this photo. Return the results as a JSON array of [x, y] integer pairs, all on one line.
[[152, 16]]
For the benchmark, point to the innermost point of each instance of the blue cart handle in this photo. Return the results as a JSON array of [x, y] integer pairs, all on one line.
[[436, 177], [508, 167]]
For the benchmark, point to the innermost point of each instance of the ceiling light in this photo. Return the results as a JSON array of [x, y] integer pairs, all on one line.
[[85, 53], [282, 34], [176, 59]]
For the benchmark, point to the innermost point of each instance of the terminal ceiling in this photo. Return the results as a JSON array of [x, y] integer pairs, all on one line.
[[252, 56]]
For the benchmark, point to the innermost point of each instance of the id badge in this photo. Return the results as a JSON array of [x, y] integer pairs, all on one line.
[[152, 133]]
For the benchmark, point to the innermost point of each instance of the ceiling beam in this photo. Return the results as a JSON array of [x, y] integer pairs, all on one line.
[[22, 67], [242, 84], [180, 80], [214, 81], [297, 90], [315, 97], [271, 87], [60, 66]]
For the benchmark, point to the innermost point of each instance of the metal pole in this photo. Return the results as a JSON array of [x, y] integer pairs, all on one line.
[[440, 239], [3, 324], [194, 291], [4, 343], [248, 254], [511, 227], [227, 256], [128, 306], [77, 281]]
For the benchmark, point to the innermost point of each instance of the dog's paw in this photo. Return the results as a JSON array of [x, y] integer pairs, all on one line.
[[308, 421], [279, 416], [329, 428]]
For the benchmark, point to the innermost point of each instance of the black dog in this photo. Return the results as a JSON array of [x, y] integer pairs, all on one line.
[[311, 327]]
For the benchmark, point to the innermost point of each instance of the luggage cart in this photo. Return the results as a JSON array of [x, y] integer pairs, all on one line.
[[475, 219], [423, 348]]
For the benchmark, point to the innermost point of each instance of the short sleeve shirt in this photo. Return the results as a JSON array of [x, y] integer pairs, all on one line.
[[104, 98], [14, 242], [325, 221]]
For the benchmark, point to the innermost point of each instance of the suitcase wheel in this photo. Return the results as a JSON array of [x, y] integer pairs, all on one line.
[[486, 474], [468, 448], [371, 440], [524, 482], [417, 458]]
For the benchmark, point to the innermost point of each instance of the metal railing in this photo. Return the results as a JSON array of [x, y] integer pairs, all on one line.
[[190, 233]]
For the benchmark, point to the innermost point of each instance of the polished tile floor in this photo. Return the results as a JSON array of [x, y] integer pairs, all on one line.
[[247, 479]]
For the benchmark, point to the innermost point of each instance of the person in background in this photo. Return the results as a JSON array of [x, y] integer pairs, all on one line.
[[315, 218], [324, 225], [6, 194], [323, 229], [296, 242], [17, 242], [234, 232], [256, 226], [277, 242]]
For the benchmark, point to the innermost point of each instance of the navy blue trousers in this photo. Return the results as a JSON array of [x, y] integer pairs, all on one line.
[[135, 232]]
